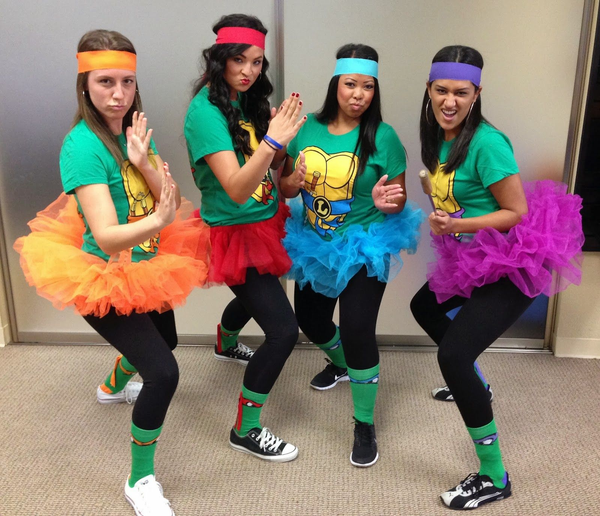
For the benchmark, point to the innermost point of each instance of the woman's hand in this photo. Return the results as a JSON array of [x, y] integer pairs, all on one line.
[[285, 124], [386, 196], [389, 196], [296, 179], [167, 206], [441, 223], [138, 141]]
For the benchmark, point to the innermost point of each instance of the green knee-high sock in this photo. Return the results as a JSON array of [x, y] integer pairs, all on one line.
[[334, 350], [226, 339], [249, 408], [119, 376], [480, 374], [364, 384], [143, 448], [487, 447]]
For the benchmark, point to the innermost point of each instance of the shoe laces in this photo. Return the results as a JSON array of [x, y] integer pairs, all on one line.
[[332, 368], [244, 350], [472, 484], [364, 432], [151, 494], [131, 392], [268, 441]]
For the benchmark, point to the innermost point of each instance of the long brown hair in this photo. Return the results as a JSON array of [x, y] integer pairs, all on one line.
[[103, 40]]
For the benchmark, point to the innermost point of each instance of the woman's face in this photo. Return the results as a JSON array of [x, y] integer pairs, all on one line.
[[112, 92], [241, 71], [451, 101], [354, 95]]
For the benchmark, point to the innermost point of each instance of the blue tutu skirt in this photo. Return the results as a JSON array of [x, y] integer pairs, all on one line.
[[328, 265]]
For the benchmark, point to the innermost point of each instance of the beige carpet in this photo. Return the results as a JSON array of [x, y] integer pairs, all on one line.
[[61, 453]]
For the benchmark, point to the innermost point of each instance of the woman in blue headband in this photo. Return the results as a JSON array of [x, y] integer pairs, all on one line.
[[345, 236], [495, 252]]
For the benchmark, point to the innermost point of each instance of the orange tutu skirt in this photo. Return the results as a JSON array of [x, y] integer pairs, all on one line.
[[242, 246], [53, 262]]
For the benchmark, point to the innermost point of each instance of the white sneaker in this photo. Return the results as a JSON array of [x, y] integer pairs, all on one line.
[[128, 395], [146, 498]]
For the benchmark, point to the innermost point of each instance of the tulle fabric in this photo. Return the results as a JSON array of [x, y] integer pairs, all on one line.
[[53, 262], [540, 255], [328, 265], [241, 246]]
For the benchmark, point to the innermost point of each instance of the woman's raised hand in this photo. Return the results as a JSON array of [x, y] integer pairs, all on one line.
[[167, 206], [386, 196], [296, 180], [138, 140], [285, 124]]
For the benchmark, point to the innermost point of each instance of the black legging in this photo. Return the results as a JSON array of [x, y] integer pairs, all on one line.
[[262, 297], [147, 341], [359, 307], [486, 315]]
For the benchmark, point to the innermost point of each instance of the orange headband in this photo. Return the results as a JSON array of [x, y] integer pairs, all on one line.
[[103, 59]]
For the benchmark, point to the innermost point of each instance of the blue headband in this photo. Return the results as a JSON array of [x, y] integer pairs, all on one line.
[[455, 72], [355, 65]]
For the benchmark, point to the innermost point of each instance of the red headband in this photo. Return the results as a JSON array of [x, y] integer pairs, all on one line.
[[241, 35]]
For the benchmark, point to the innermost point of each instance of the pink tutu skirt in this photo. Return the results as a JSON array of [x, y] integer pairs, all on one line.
[[540, 255]]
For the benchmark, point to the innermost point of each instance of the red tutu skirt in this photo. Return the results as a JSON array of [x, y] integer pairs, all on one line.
[[241, 246], [53, 262], [540, 255]]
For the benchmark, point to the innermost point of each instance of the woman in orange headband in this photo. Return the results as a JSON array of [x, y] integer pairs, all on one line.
[[109, 248], [232, 142]]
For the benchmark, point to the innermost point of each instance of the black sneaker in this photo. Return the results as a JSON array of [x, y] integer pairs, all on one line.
[[473, 491], [264, 445], [329, 377], [239, 353], [444, 394], [364, 453]]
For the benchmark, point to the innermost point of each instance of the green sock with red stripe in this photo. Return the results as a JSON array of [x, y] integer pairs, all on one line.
[[250, 406], [225, 338]]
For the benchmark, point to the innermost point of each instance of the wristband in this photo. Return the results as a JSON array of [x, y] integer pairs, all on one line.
[[273, 143]]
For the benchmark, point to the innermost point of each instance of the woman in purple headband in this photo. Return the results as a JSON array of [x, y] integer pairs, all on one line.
[[497, 244]]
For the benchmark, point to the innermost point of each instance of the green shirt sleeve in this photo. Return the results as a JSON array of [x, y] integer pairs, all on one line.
[[494, 158], [206, 132], [392, 155]]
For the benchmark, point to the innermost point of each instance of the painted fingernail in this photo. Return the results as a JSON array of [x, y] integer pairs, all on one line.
[[300, 103]]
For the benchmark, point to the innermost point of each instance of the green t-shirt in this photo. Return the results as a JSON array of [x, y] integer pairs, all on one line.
[[464, 192], [334, 197], [85, 160], [206, 132]]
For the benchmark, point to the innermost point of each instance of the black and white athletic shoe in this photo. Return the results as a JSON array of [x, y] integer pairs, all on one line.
[[474, 491], [329, 377], [239, 353], [364, 453], [264, 445], [444, 394]]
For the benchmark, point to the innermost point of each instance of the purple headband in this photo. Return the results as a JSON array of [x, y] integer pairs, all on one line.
[[455, 72]]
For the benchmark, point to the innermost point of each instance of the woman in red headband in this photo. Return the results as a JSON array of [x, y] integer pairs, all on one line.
[[111, 248], [233, 138], [497, 244]]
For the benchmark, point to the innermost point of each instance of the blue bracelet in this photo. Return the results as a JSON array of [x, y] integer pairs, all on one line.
[[270, 140]]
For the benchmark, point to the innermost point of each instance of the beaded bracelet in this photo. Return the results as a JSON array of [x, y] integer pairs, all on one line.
[[273, 143]]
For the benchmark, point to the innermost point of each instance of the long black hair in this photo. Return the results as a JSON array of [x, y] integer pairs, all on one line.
[[370, 119], [254, 103], [431, 132]]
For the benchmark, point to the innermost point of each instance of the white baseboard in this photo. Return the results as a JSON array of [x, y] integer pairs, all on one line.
[[576, 347]]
